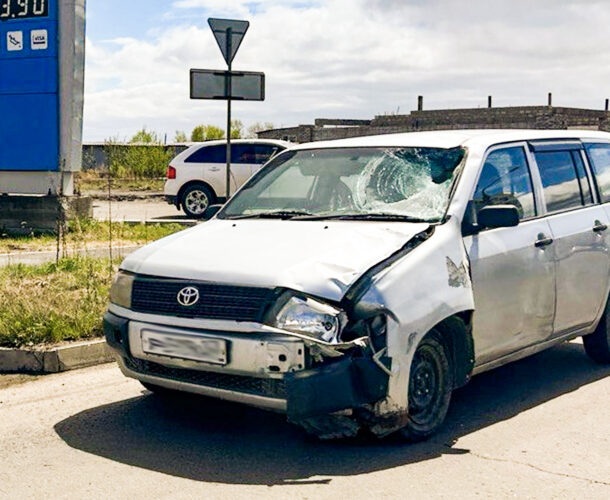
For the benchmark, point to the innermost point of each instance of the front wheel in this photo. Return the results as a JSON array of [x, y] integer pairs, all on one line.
[[195, 200], [430, 387], [597, 344]]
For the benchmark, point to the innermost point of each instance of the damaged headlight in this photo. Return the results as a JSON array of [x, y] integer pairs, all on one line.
[[120, 292], [311, 317]]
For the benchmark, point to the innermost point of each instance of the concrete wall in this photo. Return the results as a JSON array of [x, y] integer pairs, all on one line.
[[24, 214], [529, 117]]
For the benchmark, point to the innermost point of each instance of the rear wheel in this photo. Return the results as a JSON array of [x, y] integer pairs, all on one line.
[[597, 345], [430, 387], [195, 199]]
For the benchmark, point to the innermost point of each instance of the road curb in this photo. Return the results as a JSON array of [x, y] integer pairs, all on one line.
[[55, 359]]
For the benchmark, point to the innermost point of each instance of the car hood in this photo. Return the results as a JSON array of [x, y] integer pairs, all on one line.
[[321, 258]]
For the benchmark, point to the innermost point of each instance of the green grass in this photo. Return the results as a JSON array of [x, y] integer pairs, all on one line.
[[52, 303], [89, 233]]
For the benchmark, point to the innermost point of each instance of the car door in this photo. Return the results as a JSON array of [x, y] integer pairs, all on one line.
[[243, 157], [208, 163], [512, 268], [580, 234]]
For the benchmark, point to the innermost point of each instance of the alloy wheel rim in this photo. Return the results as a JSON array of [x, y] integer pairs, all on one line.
[[196, 202]]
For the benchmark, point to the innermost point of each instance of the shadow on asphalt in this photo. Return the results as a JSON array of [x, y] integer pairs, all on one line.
[[177, 218], [212, 441]]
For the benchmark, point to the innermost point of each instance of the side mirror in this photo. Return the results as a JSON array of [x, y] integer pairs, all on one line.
[[211, 211], [498, 216]]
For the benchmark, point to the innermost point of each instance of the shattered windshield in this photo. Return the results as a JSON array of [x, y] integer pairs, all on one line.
[[368, 183]]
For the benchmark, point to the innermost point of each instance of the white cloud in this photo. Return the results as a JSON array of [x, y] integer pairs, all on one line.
[[355, 58]]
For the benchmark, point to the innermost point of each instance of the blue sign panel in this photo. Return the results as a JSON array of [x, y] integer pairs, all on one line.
[[29, 85]]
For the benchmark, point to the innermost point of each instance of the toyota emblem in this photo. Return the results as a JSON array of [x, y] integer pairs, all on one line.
[[188, 296]]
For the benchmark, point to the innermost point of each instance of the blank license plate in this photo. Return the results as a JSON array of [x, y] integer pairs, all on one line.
[[183, 347]]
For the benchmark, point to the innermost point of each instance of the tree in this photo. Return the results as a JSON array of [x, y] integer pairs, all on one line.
[[214, 133], [258, 127], [236, 129], [206, 133], [198, 134], [144, 136], [180, 136]]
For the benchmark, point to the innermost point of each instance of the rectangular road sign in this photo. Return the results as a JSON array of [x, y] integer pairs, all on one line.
[[214, 84]]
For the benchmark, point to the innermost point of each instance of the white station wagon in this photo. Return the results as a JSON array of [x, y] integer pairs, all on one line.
[[354, 284]]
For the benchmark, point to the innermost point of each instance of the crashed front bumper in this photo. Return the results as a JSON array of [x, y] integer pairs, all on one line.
[[265, 370]]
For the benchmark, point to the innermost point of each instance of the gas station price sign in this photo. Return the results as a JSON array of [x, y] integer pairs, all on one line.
[[42, 59], [23, 9]]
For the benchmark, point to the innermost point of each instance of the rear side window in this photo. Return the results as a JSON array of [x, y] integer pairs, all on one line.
[[564, 181], [599, 156], [209, 154], [252, 154], [505, 180]]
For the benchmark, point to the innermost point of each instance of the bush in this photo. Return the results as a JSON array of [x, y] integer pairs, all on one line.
[[137, 161]]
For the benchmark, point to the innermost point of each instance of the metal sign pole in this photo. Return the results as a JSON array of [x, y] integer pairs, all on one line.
[[229, 84], [206, 84]]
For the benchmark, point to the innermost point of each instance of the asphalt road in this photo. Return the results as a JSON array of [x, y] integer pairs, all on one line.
[[538, 428]]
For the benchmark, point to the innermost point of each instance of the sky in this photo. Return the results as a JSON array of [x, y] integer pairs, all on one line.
[[340, 58]]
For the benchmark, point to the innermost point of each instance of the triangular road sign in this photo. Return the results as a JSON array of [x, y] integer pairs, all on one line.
[[228, 44]]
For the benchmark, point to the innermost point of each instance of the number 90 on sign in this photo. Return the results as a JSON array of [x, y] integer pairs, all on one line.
[[23, 9]]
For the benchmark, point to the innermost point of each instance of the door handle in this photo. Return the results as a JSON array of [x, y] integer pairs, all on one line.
[[543, 241], [599, 226], [214, 169]]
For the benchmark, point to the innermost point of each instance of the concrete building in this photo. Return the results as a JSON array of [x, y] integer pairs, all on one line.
[[531, 117]]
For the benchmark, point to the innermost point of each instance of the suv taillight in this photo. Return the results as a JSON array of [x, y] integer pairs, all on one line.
[[171, 172]]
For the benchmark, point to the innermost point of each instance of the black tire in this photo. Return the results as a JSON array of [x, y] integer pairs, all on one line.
[[597, 344], [430, 387], [195, 199]]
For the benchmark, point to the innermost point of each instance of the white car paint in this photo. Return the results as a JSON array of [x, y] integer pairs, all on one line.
[[419, 289], [312, 257]]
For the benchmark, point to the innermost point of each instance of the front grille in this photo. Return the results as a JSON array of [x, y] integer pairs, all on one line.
[[160, 296], [271, 388]]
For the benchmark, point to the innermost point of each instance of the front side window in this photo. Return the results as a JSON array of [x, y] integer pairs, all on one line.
[[505, 180], [243, 153], [264, 152], [352, 182], [561, 180], [599, 155]]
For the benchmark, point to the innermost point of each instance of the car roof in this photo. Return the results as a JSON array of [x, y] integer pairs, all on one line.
[[453, 138], [275, 142]]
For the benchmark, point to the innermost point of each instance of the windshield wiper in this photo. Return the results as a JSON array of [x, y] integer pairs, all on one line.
[[279, 214], [381, 217]]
